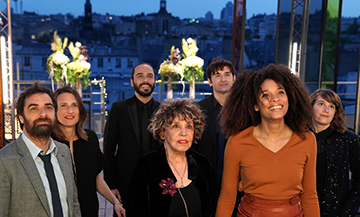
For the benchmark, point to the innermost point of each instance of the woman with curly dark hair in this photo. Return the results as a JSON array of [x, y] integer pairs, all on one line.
[[267, 116], [338, 153], [174, 180]]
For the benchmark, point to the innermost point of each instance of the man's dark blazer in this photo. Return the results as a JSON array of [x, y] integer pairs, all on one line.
[[208, 144], [22, 193], [122, 146], [145, 194]]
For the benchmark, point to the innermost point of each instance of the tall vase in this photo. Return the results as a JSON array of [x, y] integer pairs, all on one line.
[[192, 87], [169, 94], [79, 86]]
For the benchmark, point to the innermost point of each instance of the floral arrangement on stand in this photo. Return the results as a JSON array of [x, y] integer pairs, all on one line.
[[171, 69], [192, 64], [79, 68], [57, 61], [60, 68], [190, 67]]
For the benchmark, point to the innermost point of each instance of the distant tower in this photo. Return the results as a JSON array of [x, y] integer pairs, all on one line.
[[163, 5], [227, 12], [88, 16]]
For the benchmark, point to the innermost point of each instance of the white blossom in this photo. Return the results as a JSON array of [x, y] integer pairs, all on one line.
[[60, 58], [194, 61]]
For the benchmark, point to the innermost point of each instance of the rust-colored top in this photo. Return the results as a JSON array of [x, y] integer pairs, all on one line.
[[269, 175]]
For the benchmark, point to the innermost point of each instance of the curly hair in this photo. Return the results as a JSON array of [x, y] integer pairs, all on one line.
[[184, 109], [80, 132], [219, 64], [338, 122], [238, 112]]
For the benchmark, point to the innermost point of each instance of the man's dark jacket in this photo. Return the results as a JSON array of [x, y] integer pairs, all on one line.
[[208, 144], [122, 147]]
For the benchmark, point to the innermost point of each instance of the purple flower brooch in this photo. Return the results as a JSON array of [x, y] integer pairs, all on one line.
[[168, 186]]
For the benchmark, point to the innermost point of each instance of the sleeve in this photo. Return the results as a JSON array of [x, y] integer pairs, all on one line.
[[5, 191], [138, 195], [230, 180], [213, 185], [76, 205], [350, 205], [111, 134], [101, 162], [309, 196]]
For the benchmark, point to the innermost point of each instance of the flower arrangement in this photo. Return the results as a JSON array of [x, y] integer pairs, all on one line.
[[79, 68], [57, 61], [170, 67], [58, 65], [192, 64], [168, 186]]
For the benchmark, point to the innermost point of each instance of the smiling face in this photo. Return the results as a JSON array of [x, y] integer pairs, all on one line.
[[68, 110], [179, 136], [323, 113], [273, 102], [143, 80], [39, 116], [222, 80]]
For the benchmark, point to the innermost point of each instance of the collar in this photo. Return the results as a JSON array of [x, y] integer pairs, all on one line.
[[148, 104], [34, 150], [325, 133], [215, 102]]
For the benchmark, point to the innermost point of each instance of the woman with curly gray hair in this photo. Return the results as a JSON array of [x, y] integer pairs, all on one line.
[[174, 180]]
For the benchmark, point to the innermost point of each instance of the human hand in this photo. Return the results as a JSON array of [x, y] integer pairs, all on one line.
[[117, 194], [119, 210]]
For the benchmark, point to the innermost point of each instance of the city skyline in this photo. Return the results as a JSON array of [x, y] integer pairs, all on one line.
[[182, 9]]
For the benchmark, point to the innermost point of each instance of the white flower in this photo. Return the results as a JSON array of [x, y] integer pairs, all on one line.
[[177, 69], [77, 44], [85, 64], [194, 61], [189, 40], [60, 58]]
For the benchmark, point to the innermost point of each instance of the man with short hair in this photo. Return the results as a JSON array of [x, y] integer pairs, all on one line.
[[126, 137], [36, 173], [221, 76]]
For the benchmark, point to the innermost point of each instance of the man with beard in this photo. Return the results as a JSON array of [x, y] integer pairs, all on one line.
[[126, 137], [36, 173]]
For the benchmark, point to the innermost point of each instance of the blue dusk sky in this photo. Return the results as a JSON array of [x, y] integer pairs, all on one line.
[[180, 8]]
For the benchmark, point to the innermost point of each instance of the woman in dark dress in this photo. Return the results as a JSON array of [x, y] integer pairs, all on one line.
[[338, 153], [88, 159], [174, 181]]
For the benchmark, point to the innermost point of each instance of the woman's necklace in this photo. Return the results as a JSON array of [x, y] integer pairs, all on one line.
[[181, 176]]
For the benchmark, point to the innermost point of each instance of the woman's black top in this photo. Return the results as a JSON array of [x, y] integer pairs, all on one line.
[[89, 162], [192, 199], [338, 155]]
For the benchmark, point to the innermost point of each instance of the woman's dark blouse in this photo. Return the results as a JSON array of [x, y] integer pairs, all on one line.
[[145, 198], [89, 162], [193, 202], [337, 155]]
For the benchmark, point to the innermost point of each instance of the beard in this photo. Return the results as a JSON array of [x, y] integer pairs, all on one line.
[[41, 131], [144, 93]]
